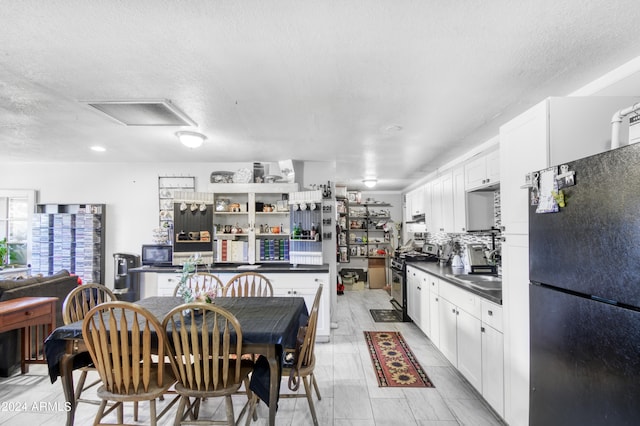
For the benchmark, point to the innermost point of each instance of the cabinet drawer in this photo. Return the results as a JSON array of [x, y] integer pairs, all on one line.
[[25, 317], [464, 300], [167, 284], [492, 314]]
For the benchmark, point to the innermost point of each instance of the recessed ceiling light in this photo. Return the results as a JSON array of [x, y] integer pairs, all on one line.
[[98, 149]]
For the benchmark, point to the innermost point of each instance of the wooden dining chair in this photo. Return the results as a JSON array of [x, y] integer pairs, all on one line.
[[301, 361], [74, 308], [203, 341], [202, 282], [248, 284], [124, 340]]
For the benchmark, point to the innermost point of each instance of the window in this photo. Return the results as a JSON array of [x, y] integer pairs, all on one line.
[[16, 209]]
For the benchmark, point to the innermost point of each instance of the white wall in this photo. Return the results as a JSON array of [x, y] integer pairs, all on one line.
[[130, 191]]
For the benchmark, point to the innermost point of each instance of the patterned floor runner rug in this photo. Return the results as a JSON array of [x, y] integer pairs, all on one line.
[[386, 315], [394, 363]]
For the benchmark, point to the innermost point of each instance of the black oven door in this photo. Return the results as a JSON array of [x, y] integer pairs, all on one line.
[[399, 292]]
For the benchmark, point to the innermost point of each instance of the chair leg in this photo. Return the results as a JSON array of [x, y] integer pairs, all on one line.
[[250, 396], [315, 386], [120, 412], [135, 411], [81, 380], [230, 417], [180, 414], [152, 413], [100, 413], [252, 415], [307, 389], [196, 408]]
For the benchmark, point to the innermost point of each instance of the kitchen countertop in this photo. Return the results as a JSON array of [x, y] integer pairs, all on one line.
[[441, 272], [238, 268]]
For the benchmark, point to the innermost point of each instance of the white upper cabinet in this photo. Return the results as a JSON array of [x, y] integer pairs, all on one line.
[[459, 201], [482, 171], [415, 202], [442, 219]]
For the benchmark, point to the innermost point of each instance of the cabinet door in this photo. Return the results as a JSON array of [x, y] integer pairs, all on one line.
[[459, 201], [493, 368], [434, 313], [447, 322], [446, 202], [167, 284], [493, 167], [413, 295], [523, 149], [437, 221], [475, 172], [306, 285], [425, 307], [470, 343]]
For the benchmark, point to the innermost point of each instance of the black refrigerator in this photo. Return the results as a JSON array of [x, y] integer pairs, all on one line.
[[584, 271]]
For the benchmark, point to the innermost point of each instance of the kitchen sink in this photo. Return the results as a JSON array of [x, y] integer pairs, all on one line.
[[481, 282], [476, 277]]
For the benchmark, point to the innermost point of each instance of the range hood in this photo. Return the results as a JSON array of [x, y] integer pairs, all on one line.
[[417, 218]]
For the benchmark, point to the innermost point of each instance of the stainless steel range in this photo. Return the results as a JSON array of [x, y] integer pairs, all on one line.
[[399, 287]]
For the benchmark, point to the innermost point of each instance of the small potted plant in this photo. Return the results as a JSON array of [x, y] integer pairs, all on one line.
[[4, 249]]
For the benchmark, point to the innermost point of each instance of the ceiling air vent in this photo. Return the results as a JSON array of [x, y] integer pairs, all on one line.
[[143, 113]]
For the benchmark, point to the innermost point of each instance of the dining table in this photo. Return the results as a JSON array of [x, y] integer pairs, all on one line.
[[269, 325]]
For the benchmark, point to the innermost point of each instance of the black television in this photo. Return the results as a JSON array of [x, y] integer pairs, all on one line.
[[157, 255]]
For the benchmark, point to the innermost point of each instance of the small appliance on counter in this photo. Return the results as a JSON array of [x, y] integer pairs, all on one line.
[[478, 261], [157, 255]]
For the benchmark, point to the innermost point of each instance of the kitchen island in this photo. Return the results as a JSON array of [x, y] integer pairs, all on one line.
[[287, 281]]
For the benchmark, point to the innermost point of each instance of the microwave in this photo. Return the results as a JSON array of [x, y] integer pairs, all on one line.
[[157, 255]]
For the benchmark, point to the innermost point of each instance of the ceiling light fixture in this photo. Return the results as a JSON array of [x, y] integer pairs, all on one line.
[[191, 139], [370, 182], [98, 148]]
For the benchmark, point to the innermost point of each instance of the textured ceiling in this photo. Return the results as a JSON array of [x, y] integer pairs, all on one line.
[[304, 80]]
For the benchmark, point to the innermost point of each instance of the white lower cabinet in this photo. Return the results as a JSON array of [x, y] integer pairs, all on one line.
[[433, 330], [434, 314], [306, 285], [167, 284], [466, 328], [469, 347], [284, 285], [493, 367], [414, 295], [448, 331]]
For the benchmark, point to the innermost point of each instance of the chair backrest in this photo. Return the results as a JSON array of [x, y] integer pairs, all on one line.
[[123, 339], [83, 298], [204, 343], [248, 284], [305, 357], [201, 283]]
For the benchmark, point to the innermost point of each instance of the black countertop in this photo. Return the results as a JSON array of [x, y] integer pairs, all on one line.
[[441, 272], [238, 268]]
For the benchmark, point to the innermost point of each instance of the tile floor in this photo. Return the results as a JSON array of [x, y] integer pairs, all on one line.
[[350, 393]]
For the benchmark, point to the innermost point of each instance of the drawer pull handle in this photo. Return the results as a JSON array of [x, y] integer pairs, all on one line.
[[28, 313], [490, 313]]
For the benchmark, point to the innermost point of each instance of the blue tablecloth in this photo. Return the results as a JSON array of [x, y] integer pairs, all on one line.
[[270, 320]]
